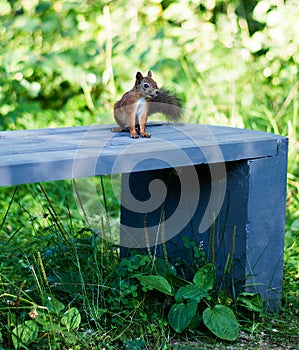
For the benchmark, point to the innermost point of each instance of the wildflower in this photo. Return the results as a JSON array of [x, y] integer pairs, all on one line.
[[33, 314]]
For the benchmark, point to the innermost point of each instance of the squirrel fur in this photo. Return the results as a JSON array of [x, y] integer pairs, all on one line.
[[144, 99]]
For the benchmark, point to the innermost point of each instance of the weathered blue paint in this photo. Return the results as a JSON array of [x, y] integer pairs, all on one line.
[[249, 227], [28, 156]]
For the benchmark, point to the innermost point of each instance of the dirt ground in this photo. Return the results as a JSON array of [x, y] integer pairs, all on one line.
[[279, 339]]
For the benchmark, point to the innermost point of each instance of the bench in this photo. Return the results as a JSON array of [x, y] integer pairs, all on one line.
[[223, 188]]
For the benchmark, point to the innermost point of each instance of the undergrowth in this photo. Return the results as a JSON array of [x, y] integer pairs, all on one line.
[[62, 286]]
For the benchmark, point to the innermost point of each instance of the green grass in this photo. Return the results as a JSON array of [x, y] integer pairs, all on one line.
[[75, 62], [71, 284]]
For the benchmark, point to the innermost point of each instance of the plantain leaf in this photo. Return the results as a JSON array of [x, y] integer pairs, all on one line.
[[156, 282], [205, 277], [221, 321], [252, 301], [24, 334], [180, 315], [190, 292], [53, 305], [71, 319]]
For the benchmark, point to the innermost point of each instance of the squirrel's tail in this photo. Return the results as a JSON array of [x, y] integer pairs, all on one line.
[[168, 104]]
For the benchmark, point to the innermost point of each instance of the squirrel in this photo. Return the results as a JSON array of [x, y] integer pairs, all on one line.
[[144, 99]]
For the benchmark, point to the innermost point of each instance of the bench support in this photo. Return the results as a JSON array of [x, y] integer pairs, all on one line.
[[246, 241]]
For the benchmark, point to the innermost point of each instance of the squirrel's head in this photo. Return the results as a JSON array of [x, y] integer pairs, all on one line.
[[146, 85]]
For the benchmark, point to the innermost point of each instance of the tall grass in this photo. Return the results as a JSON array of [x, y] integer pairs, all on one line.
[[63, 286]]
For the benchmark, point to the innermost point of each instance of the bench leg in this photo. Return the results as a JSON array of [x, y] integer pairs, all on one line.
[[248, 233], [266, 225]]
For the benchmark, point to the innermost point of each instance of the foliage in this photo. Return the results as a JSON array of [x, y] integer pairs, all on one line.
[[219, 319], [105, 300], [50, 320], [208, 51], [72, 289], [24, 334]]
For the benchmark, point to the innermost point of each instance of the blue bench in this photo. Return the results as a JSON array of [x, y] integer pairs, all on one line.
[[224, 188]]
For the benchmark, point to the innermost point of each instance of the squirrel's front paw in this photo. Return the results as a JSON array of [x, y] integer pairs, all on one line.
[[145, 134], [134, 135]]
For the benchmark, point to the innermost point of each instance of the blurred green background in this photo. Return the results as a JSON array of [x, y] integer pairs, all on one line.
[[66, 62]]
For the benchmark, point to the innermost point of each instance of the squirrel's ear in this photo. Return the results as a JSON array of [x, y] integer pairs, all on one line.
[[149, 74], [139, 76]]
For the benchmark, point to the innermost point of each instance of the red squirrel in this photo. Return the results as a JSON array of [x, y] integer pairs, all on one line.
[[143, 99]]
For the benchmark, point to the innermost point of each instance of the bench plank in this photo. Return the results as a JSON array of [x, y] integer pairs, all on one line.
[[28, 156]]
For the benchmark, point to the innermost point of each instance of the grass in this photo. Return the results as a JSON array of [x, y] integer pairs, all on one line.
[[71, 284]]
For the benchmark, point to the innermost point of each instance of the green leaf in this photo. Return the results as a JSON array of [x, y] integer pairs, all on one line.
[[134, 344], [71, 339], [180, 315], [43, 318], [53, 305], [156, 282], [205, 277], [190, 292], [221, 321], [164, 268], [24, 334], [71, 319], [252, 301], [196, 322]]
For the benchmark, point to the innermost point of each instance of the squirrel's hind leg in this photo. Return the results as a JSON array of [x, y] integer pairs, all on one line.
[[120, 118], [117, 129]]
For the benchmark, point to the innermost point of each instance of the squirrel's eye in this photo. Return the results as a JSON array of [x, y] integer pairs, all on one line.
[[146, 85]]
